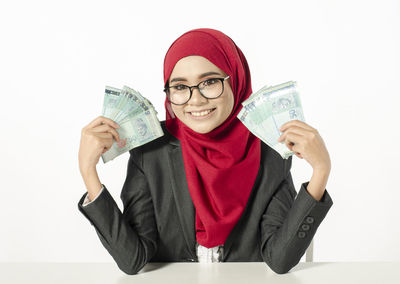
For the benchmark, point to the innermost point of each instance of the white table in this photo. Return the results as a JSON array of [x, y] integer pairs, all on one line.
[[185, 272]]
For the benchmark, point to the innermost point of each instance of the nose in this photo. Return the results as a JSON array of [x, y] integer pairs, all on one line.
[[197, 97]]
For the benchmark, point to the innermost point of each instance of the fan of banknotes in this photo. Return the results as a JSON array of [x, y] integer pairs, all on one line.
[[136, 117], [265, 111]]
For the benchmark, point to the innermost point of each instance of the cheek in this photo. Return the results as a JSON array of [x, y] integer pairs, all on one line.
[[177, 110], [230, 102]]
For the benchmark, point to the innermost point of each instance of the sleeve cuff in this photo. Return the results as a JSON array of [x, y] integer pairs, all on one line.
[[96, 209], [88, 201], [325, 199]]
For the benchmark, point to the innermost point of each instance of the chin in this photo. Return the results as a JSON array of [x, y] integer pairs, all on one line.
[[197, 127], [201, 130]]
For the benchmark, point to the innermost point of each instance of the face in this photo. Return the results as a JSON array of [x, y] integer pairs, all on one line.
[[190, 71]]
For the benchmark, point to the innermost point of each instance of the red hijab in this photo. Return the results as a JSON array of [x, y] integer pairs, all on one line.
[[221, 166]]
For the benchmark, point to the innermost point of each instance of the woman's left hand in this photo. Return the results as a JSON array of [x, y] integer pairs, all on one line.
[[306, 143]]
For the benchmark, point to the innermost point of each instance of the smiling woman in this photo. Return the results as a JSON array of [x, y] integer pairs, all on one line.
[[221, 156], [200, 112], [208, 190]]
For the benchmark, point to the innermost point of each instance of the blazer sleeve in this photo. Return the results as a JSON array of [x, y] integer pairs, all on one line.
[[289, 224], [87, 201], [130, 236]]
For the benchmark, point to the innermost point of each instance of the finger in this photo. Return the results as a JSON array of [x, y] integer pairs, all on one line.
[[102, 120], [297, 123], [296, 149], [294, 129], [106, 148], [298, 155], [109, 134], [107, 128], [292, 138], [106, 140], [102, 128]]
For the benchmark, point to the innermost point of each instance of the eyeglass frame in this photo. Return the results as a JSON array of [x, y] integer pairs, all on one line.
[[197, 86]]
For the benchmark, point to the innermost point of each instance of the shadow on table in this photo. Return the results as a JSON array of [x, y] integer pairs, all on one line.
[[154, 265], [126, 279], [307, 265]]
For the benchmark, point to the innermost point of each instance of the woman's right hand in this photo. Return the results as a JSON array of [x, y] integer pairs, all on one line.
[[96, 139]]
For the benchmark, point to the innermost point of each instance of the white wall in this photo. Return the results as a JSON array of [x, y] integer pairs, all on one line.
[[57, 56]]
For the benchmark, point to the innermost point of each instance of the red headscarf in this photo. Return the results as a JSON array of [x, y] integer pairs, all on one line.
[[221, 166]]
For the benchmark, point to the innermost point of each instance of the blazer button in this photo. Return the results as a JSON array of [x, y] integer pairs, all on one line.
[[305, 227], [301, 234], [309, 220]]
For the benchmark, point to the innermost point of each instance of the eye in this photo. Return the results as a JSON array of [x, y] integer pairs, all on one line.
[[210, 82], [179, 87]]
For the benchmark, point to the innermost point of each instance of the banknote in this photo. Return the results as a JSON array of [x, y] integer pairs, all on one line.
[[136, 117], [264, 112]]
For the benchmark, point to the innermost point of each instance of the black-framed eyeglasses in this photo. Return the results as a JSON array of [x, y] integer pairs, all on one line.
[[210, 89]]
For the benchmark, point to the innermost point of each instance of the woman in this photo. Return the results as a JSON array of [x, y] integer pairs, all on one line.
[[208, 190]]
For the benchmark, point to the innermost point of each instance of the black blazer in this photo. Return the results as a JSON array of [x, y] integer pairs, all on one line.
[[158, 220]]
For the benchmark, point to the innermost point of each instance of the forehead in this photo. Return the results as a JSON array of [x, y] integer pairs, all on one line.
[[193, 65]]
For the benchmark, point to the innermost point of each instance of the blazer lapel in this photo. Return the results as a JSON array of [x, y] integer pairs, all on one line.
[[183, 200]]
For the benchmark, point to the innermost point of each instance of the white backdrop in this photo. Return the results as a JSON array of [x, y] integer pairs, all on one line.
[[57, 56]]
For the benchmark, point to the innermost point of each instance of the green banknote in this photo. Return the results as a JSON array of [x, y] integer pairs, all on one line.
[[136, 117], [265, 111]]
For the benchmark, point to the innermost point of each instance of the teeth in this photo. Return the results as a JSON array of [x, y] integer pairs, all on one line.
[[201, 113]]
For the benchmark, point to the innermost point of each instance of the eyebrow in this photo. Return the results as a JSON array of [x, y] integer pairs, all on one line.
[[200, 76]]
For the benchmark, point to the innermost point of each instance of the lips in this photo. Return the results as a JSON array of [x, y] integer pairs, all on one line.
[[201, 112]]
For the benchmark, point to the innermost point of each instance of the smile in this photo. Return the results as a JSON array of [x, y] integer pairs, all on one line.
[[201, 113]]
